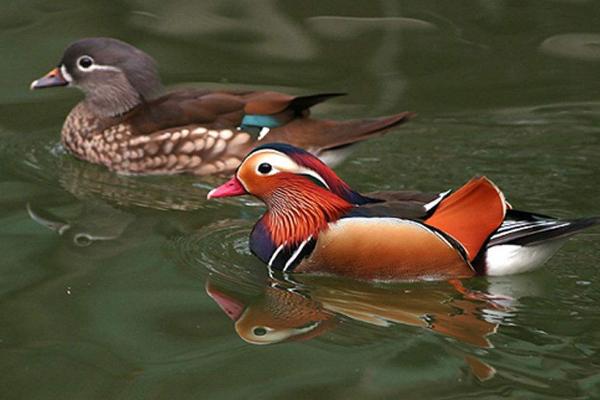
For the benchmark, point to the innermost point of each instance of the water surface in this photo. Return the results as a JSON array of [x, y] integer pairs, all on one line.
[[126, 288]]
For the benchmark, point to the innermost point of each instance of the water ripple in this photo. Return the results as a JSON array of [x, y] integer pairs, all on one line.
[[220, 249]]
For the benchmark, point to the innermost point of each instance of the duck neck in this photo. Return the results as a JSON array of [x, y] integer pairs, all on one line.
[[112, 100], [297, 213]]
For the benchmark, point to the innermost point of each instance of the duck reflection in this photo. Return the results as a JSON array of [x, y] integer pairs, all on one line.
[[161, 192], [96, 222], [93, 221], [294, 310]]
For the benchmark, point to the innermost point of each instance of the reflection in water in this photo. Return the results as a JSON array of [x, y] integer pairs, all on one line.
[[96, 222], [338, 28], [192, 19], [579, 46], [90, 222], [163, 193], [47, 161], [289, 310], [308, 307]]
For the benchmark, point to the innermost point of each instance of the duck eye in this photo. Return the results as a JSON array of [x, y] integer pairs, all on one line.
[[265, 168], [260, 331], [84, 62]]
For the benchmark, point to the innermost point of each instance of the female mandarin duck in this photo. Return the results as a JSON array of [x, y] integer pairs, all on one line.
[[316, 223], [125, 124]]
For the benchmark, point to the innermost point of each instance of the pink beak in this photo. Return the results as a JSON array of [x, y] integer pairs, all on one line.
[[233, 308], [232, 187]]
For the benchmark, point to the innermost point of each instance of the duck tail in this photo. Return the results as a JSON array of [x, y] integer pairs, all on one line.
[[324, 135], [527, 242], [537, 229], [356, 130]]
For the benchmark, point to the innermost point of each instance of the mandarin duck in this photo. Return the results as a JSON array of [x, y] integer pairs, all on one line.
[[316, 223], [126, 124]]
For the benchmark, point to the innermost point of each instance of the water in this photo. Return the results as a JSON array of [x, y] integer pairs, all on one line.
[[106, 281]]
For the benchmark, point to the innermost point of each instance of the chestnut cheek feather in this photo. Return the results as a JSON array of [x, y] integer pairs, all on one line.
[[301, 210]]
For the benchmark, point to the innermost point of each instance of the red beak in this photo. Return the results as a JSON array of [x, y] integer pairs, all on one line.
[[233, 308], [232, 187]]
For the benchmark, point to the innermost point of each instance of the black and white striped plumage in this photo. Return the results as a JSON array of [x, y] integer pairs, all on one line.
[[525, 241]]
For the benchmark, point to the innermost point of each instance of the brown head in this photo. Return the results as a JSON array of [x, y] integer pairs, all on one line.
[[114, 75]]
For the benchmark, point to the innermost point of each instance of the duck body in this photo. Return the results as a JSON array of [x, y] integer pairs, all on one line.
[[315, 223], [393, 248], [127, 124]]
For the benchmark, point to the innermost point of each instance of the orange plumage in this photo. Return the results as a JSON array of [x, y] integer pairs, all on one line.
[[471, 214]]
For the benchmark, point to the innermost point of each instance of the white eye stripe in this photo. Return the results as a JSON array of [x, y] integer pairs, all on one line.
[[93, 66], [312, 173], [282, 163], [65, 74], [98, 67]]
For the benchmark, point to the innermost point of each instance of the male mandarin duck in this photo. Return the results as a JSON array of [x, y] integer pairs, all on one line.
[[127, 125], [316, 223]]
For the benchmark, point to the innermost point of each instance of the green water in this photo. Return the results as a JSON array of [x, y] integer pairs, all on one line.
[[116, 307]]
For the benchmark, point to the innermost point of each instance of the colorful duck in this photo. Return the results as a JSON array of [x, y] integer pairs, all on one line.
[[126, 124], [316, 223]]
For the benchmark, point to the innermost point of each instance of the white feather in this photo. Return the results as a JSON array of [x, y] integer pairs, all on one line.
[[437, 200], [335, 157], [296, 254], [506, 259], [65, 74], [263, 132]]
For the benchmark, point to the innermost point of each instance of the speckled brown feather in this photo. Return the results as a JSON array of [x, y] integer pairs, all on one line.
[[188, 148]]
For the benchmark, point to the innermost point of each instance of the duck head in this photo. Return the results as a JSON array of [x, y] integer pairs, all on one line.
[[114, 75], [301, 193], [273, 168]]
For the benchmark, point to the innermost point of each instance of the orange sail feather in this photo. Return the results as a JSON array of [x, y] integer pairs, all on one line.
[[471, 214]]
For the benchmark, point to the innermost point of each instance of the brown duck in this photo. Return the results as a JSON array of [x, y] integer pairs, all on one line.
[[127, 124]]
